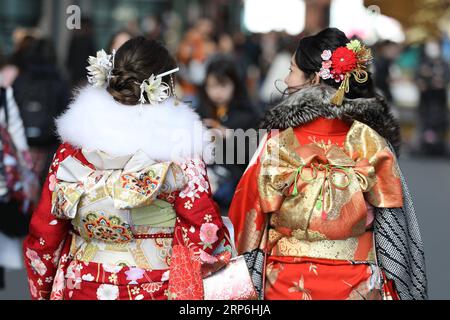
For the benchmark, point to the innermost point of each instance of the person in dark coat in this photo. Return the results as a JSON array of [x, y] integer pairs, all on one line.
[[224, 105]]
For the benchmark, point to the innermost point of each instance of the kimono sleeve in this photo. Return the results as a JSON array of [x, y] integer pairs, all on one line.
[[47, 234], [246, 214]]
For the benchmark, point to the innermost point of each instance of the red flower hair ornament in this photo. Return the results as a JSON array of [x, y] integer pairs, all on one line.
[[344, 62]]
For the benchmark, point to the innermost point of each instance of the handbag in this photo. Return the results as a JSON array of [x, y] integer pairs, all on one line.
[[232, 282]]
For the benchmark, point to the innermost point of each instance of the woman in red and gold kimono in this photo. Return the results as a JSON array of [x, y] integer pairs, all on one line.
[[322, 211], [126, 210]]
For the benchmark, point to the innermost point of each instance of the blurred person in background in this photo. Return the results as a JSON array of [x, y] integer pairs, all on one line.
[[42, 94], [81, 45], [118, 39], [433, 76], [225, 45], [18, 184], [272, 87], [224, 104], [194, 50], [322, 209], [152, 27], [23, 39], [248, 53], [386, 52]]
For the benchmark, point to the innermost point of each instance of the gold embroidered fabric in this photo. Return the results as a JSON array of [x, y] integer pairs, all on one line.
[[136, 185]]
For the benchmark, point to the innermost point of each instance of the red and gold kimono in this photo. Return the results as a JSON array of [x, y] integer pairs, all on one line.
[[307, 201]]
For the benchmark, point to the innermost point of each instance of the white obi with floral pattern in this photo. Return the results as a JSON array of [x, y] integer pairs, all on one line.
[[115, 210]]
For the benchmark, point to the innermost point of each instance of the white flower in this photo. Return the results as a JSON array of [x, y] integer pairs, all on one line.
[[88, 277], [156, 90], [111, 268], [165, 276], [326, 55], [325, 73], [99, 68], [188, 205], [113, 278], [107, 292], [79, 267], [135, 291]]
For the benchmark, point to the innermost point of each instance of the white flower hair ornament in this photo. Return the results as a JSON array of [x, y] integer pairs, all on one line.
[[156, 90], [100, 67]]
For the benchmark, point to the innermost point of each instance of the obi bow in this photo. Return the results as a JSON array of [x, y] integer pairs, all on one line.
[[315, 175], [327, 178], [131, 182]]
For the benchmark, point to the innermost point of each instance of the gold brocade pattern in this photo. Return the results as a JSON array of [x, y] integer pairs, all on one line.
[[317, 195], [116, 216], [323, 249], [136, 185], [250, 237]]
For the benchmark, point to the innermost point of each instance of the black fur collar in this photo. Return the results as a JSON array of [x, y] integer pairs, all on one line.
[[313, 102]]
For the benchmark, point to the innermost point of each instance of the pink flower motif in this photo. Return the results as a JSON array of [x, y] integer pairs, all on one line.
[[206, 257], [52, 182], [326, 55], [31, 254], [33, 289], [58, 284], [208, 233], [327, 64], [36, 262], [197, 183], [203, 185], [325, 73], [134, 274]]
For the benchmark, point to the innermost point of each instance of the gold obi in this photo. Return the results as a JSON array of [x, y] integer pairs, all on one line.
[[317, 194], [114, 201], [353, 249]]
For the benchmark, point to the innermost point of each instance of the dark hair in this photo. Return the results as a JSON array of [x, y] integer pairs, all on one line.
[[308, 59], [136, 60], [41, 51], [20, 55], [224, 69]]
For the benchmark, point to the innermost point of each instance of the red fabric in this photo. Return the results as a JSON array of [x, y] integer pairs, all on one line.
[[320, 279], [46, 233], [185, 277]]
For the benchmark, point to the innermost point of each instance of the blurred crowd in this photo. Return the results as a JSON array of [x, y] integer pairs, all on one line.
[[230, 79]]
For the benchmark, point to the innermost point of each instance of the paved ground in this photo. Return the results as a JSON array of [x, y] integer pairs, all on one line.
[[429, 181]]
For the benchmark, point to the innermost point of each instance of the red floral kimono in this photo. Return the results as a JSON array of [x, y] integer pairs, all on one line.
[[123, 228], [307, 201]]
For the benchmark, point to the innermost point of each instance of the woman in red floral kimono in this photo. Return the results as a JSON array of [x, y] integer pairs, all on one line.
[[126, 210], [309, 206]]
